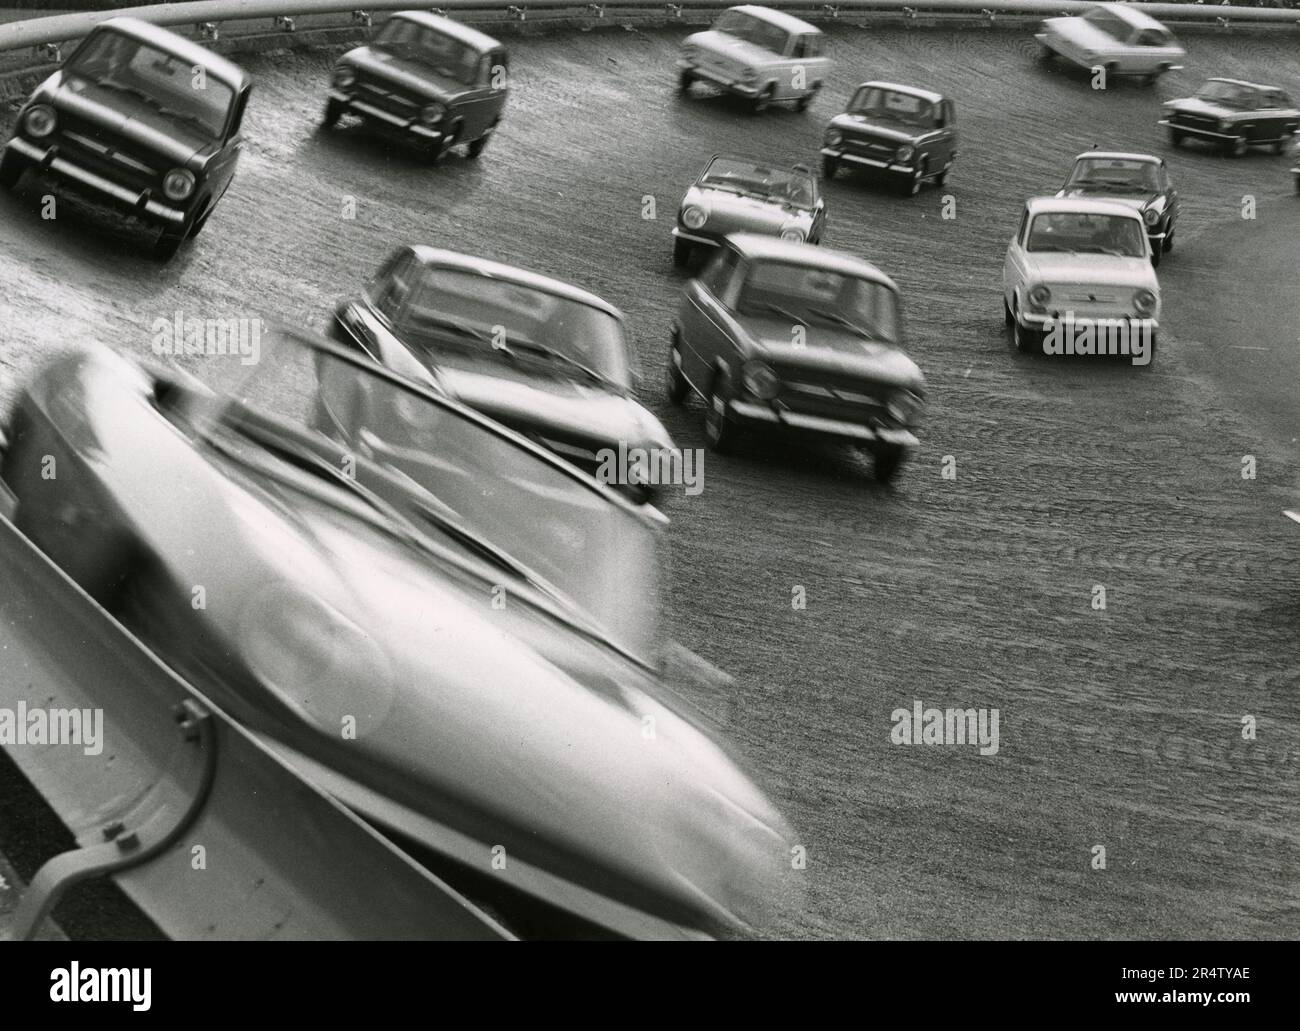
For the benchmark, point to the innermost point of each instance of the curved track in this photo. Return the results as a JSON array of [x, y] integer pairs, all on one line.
[[1120, 727]]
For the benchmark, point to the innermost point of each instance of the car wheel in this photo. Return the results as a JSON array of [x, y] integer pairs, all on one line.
[[200, 222], [682, 252], [333, 112], [12, 168], [1028, 341], [942, 178], [1008, 319], [1111, 70], [1237, 148], [912, 185], [719, 430], [1279, 147], [168, 243], [1169, 239], [803, 103], [888, 461], [442, 148], [476, 148], [830, 166], [764, 99], [677, 387], [1046, 53], [1155, 255], [685, 81], [1175, 137]]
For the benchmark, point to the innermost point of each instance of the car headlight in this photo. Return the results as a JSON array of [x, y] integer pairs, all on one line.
[[903, 153], [759, 380], [1144, 302], [689, 51], [40, 121], [1039, 296], [792, 235], [834, 138], [431, 114], [1151, 215], [904, 407], [1224, 123], [178, 183], [694, 216], [749, 75], [344, 76]]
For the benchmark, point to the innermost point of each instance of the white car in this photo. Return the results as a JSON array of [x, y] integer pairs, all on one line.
[[1079, 263], [1116, 37], [762, 55]]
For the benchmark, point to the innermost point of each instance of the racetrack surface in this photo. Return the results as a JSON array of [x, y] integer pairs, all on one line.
[[1120, 728]]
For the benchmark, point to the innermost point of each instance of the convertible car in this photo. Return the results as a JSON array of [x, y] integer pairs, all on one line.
[[441, 624]]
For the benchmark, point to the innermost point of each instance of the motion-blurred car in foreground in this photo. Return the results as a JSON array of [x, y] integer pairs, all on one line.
[[1139, 180], [424, 79], [545, 358], [799, 339], [735, 195], [765, 56], [1233, 116], [450, 630], [1080, 261], [1115, 37], [138, 121], [902, 131]]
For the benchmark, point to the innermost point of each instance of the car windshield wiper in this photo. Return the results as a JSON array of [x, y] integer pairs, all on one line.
[[867, 332], [785, 313], [456, 328], [186, 116], [134, 91], [1097, 249], [532, 347]]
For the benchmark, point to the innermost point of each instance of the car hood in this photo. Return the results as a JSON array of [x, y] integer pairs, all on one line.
[[1098, 269], [731, 213], [1136, 200], [1197, 106], [113, 115], [723, 45], [879, 128], [835, 351], [410, 76]]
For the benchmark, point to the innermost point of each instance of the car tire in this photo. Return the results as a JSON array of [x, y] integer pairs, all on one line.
[[1175, 137], [676, 387], [1156, 252], [682, 250], [1238, 146], [1169, 239], [168, 243], [1112, 70], [12, 168], [1008, 319], [1027, 341], [333, 112], [1279, 148], [764, 99], [476, 148], [435, 154], [942, 178], [685, 81], [887, 461], [197, 226], [830, 166], [912, 185], [804, 102], [719, 431], [1046, 53]]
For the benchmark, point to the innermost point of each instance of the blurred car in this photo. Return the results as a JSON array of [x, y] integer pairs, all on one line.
[[903, 131], [1233, 115], [1117, 37], [763, 55], [1079, 258], [735, 195], [1139, 180], [138, 121], [545, 358], [444, 626], [799, 339], [427, 80]]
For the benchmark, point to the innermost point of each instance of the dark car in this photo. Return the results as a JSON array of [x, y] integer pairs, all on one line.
[[455, 634], [427, 80], [545, 358], [1233, 115], [901, 131], [797, 338], [138, 120], [1138, 180]]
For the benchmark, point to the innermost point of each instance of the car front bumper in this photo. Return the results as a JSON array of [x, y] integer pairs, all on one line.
[[1039, 322], [139, 202], [386, 119], [1192, 130], [767, 415], [893, 167], [741, 89], [681, 234]]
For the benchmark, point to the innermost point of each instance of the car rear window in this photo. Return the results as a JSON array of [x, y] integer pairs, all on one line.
[[753, 30]]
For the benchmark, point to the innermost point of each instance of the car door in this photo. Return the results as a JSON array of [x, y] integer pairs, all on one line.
[[1277, 119], [944, 148], [705, 322], [1013, 266], [222, 169]]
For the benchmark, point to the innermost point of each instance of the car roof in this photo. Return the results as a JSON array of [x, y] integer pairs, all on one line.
[[187, 50], [771, 248], [1120, 155], [1241, 82], [1138, 19], [435, 256], [1081, 205], [915, 91], [463, 33], [778, 18]]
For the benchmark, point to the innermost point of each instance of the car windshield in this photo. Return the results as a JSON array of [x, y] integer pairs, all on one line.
[[435, 472], [1115, 174], [752, 30], [514, 323], [444, 54], [1110, 23], [170, 86], [1087, 233], [893, 106], [1227, 94], [788, 185], [806, 295]]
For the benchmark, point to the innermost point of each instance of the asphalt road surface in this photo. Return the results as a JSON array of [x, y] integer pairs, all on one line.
[[1120, 728]]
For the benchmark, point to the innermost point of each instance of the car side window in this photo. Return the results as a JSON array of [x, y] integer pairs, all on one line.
[[1024, 224], [1270, 100], [718, 273], [393, 285]]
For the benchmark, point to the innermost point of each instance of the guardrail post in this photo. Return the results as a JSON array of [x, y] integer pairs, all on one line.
[[909, 13], [361, 18], [519, 12], [598, 8], [209, 30], [832, 9], [284, 21], [50, 50], [990, 15]]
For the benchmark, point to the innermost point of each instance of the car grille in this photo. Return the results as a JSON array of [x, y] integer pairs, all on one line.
[[387, 100], [97, 153], [1196, 121], [1096, 301], [851, 400], [870, 147], [728, 68]]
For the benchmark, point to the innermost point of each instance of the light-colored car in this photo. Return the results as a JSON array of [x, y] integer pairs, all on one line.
[[762, 55], [1138, 180], [1116, 37], [736, 195], [1076, 260]]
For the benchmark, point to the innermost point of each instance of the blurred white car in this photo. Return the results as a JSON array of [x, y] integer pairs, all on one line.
[[1079, 261], [1116, 37]]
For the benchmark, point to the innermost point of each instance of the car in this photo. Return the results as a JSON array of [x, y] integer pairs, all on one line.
[[1116, 37], [1084, 261], [798, 339], [543, 357], [448, 629], [765, 56], [426, 80], [1140, 180], [138, 121], [735, 194], [902, 131], [1233, 115]]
